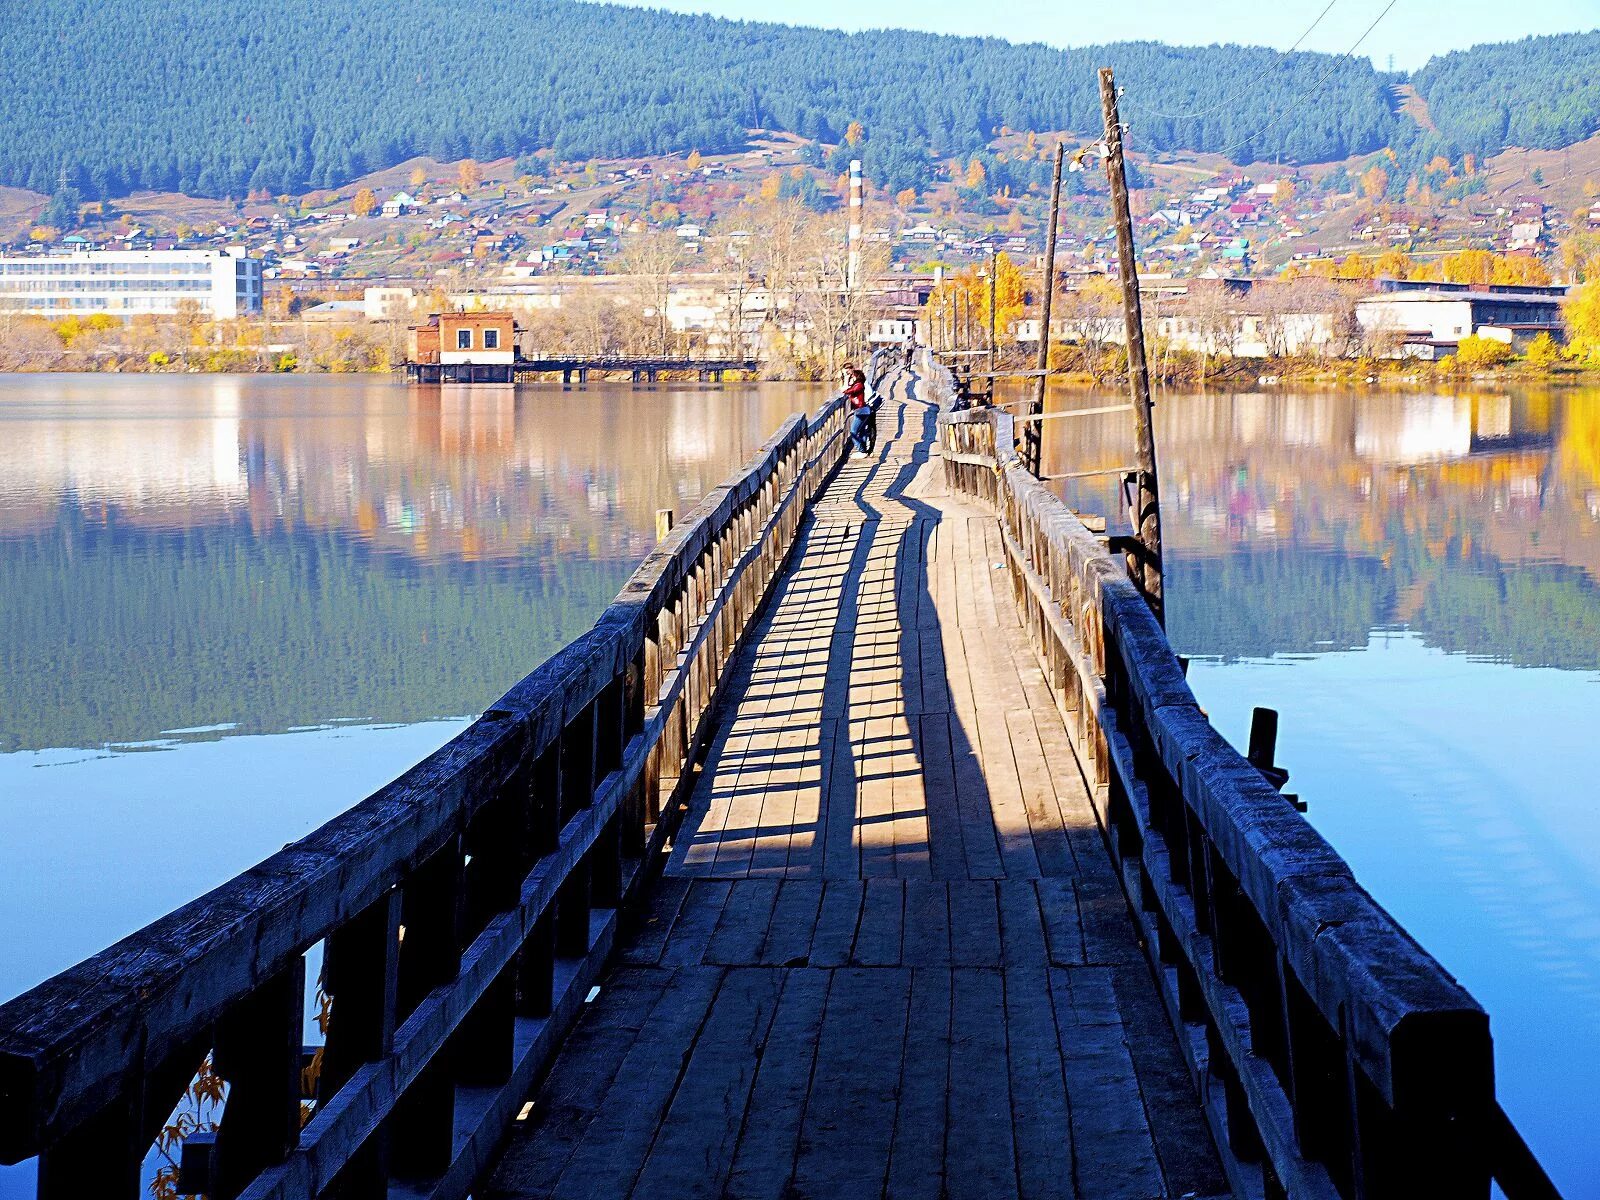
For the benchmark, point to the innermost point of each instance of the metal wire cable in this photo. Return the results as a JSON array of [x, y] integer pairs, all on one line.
[[1229, 100], [1315, 87]]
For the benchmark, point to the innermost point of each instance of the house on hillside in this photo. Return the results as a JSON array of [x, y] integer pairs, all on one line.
[[399, 204]]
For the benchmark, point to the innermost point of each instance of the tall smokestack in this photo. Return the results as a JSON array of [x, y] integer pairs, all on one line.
[[853, 272]]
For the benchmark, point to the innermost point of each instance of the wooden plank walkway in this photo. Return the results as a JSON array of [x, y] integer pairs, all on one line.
[[889, 957]]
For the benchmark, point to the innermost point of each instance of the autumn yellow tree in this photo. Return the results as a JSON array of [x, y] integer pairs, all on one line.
[[1469, 266], [1374, 182], [1476, 352], [906, 198], [854, 134], [770, 186], [1396, 264], [364, 202], [1542, 351], [1580, 256], [418, 177], [1581, 315], [469, 175], [976, 175], [694, 161]]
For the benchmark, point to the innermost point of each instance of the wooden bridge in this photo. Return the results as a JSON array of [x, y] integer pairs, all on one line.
[[640, 368], [871, 844]]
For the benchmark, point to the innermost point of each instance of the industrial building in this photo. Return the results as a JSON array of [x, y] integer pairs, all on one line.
[[130, 283]]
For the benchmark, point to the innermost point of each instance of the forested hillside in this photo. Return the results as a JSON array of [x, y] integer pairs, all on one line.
[[1542, 93], [222, 99]]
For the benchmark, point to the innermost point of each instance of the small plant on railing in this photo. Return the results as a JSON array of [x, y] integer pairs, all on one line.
[[197, 1112], [311, 1073], [200, 1109]]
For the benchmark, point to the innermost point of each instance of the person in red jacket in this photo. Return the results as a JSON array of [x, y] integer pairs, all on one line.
[[855, 395]]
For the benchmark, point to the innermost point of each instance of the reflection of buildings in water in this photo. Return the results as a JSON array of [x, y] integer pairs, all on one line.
[[474, 473], [1498, 473], [1416, 429], [68, 451]]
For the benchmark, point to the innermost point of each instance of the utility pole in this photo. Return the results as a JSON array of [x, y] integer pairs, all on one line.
[[994, 278], [1031, 434], [1145, 500]]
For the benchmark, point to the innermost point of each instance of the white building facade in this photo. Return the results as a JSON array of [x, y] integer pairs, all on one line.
[[130, 283]]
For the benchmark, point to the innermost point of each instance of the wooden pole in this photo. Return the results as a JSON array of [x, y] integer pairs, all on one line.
[[994, 279], [1031, 438], [1145, 567]]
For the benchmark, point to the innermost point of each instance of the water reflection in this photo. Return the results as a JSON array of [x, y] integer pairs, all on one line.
[[1413, 580], [231, 607], [1298, 523], [274, 553]]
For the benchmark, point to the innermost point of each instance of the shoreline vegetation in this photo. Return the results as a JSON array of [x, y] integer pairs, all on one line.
[[173, 346]]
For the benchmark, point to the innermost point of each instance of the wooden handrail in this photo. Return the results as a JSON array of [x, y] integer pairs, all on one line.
[[1335, 1057], [465, 908]]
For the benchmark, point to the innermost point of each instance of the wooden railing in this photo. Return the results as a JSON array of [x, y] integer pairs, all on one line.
[[464, 910], [1334, 1056]]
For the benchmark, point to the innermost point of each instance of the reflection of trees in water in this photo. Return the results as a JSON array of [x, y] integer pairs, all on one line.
[[285, 552], [1293, 600], [1284, 600], [1296, 523], [119, 637]]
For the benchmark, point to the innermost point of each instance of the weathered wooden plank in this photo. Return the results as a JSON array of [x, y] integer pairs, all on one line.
[[694, 1148], [947, 857], [974, 924], [917, 1156], [763, 1164], [649, 936], [1038, 1088], [849, 1119], [836, 922], [881, 930], [980, 1157], [697, 921], [1022, 940], [927, 924], [794, 922], [619, 1138], [571, 1097], [1114, 1154], [742, 926], [1058, 907]]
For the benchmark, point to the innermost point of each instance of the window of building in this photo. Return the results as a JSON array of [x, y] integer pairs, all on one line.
[[491, 339], [463, 339]]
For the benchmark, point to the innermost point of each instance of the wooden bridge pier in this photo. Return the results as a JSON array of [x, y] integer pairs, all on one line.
[[871, 844]]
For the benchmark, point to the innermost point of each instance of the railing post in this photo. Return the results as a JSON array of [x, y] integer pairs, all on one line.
[[421, 1127], [361, 973], [101, 1157], [258, 1054]]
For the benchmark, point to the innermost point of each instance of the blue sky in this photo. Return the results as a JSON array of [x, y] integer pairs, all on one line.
[[1412, 32]]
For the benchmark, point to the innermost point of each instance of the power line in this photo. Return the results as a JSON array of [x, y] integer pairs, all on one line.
[[1315, 87], [1236, 95]]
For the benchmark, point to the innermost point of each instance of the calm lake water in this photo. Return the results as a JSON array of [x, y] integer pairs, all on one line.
[[1413, 581], [231, 607]]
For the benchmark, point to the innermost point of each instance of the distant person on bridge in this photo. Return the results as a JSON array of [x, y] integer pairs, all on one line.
[[861, 422]]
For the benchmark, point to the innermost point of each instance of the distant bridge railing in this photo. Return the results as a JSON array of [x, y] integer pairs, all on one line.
[[464, 910], [1335, 1058]]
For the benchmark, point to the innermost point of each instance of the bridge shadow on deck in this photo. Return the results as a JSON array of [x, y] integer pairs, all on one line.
[[889, 956]]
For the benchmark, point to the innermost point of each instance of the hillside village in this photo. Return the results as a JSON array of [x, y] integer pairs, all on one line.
[[519, 233]]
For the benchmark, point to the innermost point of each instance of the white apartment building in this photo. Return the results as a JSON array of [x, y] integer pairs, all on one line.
[[130, 283]]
